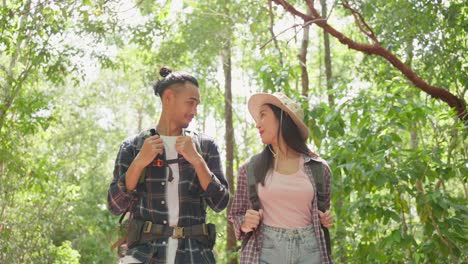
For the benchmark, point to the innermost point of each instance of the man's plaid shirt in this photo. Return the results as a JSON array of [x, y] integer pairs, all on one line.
[[151, 203], [252, 250]]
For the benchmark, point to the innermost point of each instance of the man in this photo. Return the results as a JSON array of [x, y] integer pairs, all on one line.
[[166, 177]]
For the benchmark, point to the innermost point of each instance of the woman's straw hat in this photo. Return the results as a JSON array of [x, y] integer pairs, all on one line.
[[293, 109]]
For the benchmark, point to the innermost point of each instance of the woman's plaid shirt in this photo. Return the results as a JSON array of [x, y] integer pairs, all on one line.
[[251, 251], [152, 194]]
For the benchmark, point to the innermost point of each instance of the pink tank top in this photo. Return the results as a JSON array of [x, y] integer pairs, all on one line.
[[287, 199]]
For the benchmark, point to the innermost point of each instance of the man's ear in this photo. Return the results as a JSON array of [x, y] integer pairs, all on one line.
[[168, 96]]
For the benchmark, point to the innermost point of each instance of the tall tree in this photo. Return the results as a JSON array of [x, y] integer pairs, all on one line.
[[231, 243], [327, 56], [303, 60], [272, 32]]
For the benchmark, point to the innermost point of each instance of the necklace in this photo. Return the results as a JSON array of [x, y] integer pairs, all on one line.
[[272, 152], [275, 156]]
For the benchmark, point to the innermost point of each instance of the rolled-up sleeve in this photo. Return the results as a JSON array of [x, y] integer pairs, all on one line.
[[240, 204], [217, 192], [118, 198]]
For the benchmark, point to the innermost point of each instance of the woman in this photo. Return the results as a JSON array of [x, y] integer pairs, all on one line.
[[286, 226]]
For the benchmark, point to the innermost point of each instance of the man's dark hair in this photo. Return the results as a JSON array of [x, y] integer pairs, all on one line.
[[170, 78]]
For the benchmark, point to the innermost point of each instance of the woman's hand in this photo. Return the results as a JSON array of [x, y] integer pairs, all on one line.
[[326, 219], [252, 219]]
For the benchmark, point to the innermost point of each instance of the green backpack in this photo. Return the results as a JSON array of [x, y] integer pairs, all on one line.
[[123, 223], [166, 162]]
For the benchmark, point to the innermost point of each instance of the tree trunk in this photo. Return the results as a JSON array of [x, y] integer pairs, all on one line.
[[303, 61], [272, 32], [340, 230], [11, 86], [328, 69], [231, 242], [139, 119], [414, 146]]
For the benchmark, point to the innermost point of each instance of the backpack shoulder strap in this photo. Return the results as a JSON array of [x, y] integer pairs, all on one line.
[[252, 184], [253, 194], [151, 132], [143, 136], [196, 139], [320, 184]]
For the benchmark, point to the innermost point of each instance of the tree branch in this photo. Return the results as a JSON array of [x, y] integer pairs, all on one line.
[[361, 23], [11, 92], [272, 23], [376, 49], [306, 24]]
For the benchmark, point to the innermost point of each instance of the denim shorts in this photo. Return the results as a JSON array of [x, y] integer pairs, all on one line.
[[289, 246]]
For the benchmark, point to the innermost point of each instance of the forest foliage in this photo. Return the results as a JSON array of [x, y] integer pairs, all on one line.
[[76, 77]]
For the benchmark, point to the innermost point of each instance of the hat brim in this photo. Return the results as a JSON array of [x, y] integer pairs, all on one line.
[[259, 99]]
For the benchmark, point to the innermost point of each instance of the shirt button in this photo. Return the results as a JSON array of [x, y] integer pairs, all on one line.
[[164, 222], [163, 183], [164, 242], [163, 202]]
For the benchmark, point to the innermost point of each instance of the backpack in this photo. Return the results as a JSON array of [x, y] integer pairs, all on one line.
[[164, 162], [320, 183], [123, 223]]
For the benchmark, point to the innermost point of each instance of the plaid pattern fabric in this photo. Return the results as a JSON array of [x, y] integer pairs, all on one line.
[[151, 204], [251, 252]]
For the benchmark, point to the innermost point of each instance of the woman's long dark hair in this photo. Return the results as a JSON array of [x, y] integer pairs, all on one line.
[[292, 137]]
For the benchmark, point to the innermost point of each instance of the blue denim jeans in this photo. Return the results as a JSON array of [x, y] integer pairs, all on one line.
[[289, 246]]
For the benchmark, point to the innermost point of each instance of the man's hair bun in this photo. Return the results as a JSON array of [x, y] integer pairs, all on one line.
[[165, 71], [170, 78]]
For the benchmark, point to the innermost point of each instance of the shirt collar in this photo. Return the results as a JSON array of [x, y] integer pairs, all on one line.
[[309, 157]]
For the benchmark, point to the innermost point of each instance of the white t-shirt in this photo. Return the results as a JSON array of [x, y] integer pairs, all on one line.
[[172, 194]]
